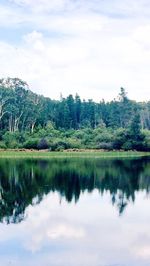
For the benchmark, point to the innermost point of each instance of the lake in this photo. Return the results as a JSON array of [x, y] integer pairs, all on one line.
[[75, 212]]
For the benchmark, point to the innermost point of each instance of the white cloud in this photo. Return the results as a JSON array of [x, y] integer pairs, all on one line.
[[7, 12], [143, 252], [109, 7], [85, 47], [142, 35], [46, 5]]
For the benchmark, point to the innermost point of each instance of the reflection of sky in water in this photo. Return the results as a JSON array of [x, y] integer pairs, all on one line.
[[87, 233]]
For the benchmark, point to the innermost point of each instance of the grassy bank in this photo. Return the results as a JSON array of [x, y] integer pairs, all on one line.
[[68, 154]]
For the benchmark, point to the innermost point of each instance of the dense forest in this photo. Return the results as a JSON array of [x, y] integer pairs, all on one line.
[[32, 121]]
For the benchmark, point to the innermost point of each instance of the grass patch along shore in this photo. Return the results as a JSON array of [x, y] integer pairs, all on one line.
[[67, 154]]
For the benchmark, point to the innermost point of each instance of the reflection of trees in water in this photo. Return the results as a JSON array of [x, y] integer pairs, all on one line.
[[23, 181]]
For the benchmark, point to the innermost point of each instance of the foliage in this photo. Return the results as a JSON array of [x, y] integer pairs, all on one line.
[[42, 144], [31, 143], [31, 121]]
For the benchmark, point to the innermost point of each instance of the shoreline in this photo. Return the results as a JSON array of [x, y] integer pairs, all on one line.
[[86, 153]]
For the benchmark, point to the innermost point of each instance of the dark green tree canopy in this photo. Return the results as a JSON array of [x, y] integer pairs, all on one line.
[[22, 111]]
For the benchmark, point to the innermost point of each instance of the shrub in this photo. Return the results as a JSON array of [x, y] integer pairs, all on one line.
[[104, 137], [128, 145], [74, 143], [105, 146], [10, 140], [146, 141], [31, 144], [42, 144], [119, 138], [58, 144], [2, 145]]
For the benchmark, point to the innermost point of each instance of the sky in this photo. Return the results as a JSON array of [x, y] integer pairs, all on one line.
[[89, 47]]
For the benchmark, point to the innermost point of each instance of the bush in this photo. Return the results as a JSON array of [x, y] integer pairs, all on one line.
[[74, 143], [119, 138], [31, 144], [105, 146], [79, 134], [2, 145], [58, 144], [146, 141], [42, 144], [128, 145], [60, 148], [10, 140], [104, 137]]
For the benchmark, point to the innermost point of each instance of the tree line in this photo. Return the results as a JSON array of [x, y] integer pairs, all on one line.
[[33, 121]]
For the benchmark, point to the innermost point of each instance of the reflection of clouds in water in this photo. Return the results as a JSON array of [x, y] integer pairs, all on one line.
[[87, 233], [48, 234], [46, 223], [138, 227], [66, 231], [143, 252]]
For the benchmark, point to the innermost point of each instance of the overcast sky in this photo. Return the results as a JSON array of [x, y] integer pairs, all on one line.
[[92, 47]]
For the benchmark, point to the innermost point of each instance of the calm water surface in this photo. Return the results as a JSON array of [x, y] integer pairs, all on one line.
[[75, 212]]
